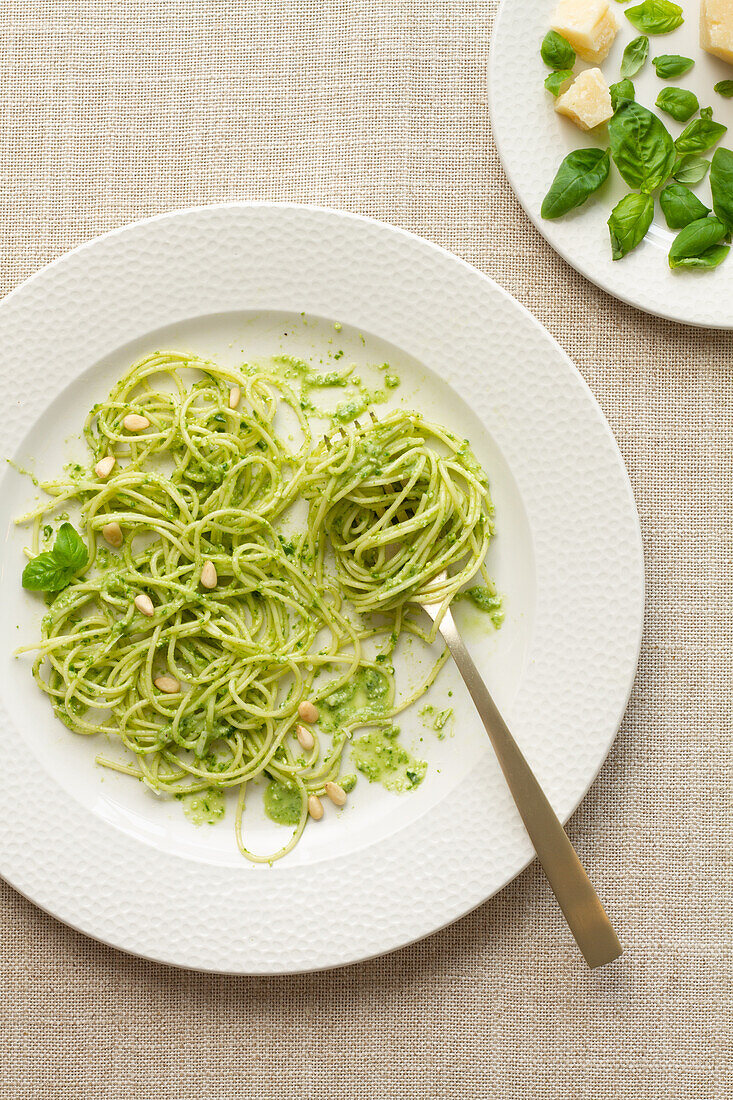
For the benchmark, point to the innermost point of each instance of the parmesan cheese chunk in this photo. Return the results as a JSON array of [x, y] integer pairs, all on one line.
[[587, 101], [716, 28], [589, 26]]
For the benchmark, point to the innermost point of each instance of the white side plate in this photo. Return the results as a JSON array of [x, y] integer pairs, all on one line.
[[236, 282], [532, 139]]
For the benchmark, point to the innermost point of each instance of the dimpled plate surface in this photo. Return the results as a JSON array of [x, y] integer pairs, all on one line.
[[586, 625], [532, 139]]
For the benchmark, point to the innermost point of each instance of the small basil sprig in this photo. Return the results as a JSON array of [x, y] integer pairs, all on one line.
[[624, 89], [680, 103], [690, 169], [698, 244], [724, 87], [680, 206], [54, 569], [700, 135], [655, 16], [634, 56], [671, 65], [721, 185], [555, 82], [629, 221], [641, 146], [581, 173], [556, 51]]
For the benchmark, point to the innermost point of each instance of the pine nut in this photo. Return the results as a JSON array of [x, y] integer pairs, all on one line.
[[305, 737], [315, 807], [113, 534], [209, 578], [168, 684], [234, 396], [308, 711], [133, 422], [144, 605], [104, 466], [335, 793]]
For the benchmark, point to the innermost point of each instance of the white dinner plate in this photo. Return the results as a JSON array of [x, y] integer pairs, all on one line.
[[237, 282], [532, 139]]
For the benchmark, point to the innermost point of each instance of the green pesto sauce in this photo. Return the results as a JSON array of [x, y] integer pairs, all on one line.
[[435, 719], [485, 600], [310, 380], [63, 715], [362, 698], [283, 804], [330, 378], [469, 459], [381, 759], [106, 558], [204, 807], [22, 470], [75, 471], [353, 408]]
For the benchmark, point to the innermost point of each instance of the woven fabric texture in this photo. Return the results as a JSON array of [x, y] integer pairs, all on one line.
[[112, 110]]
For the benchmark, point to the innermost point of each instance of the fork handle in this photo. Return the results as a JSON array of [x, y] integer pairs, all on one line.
[[570, 884]]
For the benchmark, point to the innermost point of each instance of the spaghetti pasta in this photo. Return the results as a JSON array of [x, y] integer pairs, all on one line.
[[284, 612]]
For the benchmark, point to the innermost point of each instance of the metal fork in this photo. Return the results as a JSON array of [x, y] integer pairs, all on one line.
[[579, 902], [570, 884]]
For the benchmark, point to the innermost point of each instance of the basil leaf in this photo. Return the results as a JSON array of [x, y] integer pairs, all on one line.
[[697, 236], [52, 570], [629, 222], [678, 102], [581, 173], [721, 185], [624, 89], [706, 112], [641, 146], [690, 246], [634, 56], [724, 87], [44, 573], [556, 51], [711, 257], [680, 206], [690, 169], [655, 16], [671, 65], [70, 549], [700, 136], [556, 82]]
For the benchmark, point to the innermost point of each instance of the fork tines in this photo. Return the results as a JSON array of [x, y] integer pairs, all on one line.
[[328, 439]]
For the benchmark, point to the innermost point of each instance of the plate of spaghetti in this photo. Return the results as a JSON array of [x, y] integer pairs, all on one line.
[[242, 442]]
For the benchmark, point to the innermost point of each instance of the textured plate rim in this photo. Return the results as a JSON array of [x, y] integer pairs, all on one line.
[[431, 254]]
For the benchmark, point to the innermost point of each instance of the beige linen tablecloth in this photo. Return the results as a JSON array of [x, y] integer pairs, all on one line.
[[113, 110]]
